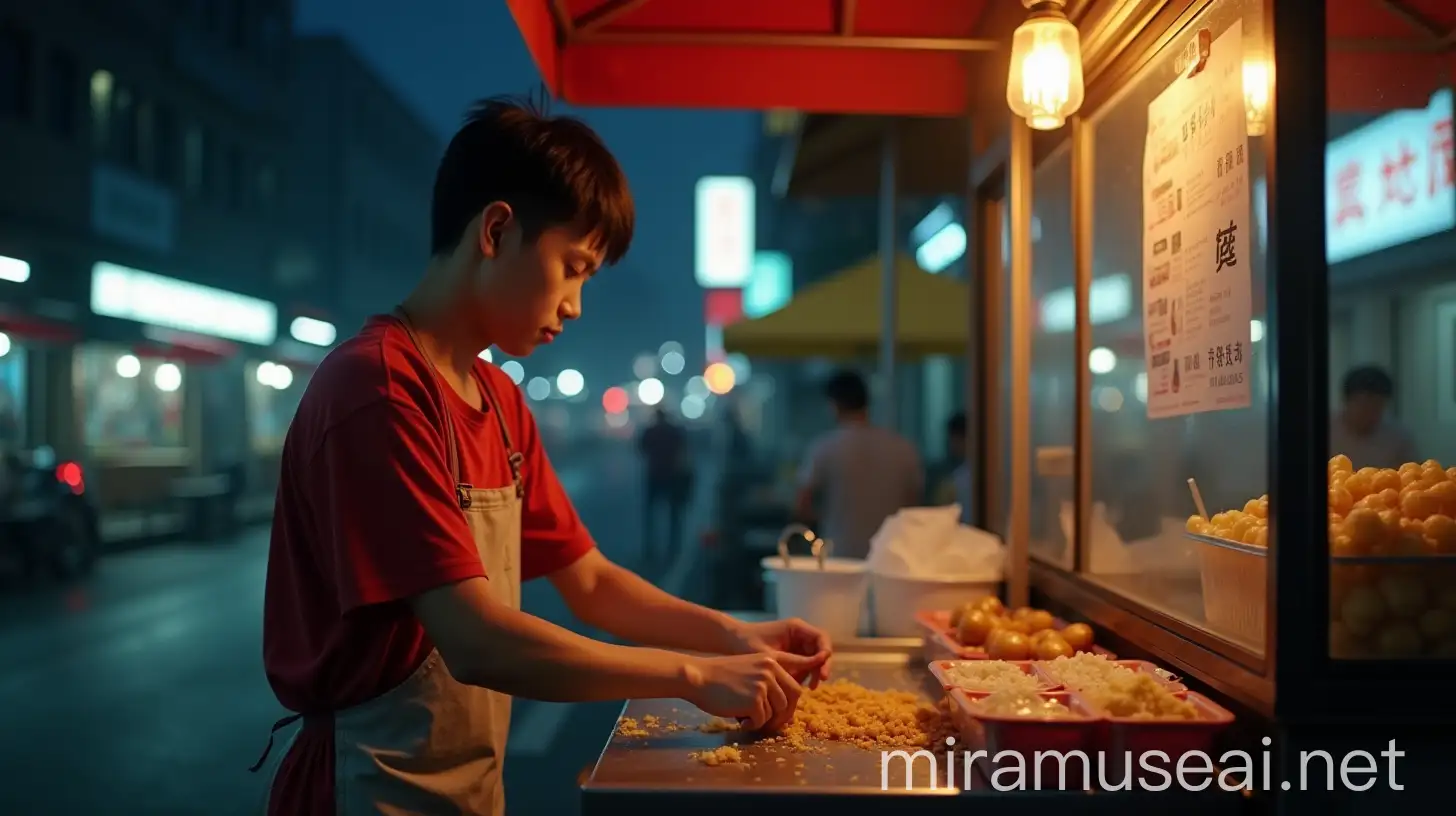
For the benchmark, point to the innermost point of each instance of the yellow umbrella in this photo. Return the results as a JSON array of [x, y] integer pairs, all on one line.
[[840, 317]]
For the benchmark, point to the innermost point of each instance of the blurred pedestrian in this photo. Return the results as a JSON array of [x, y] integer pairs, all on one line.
[[857, 475], [669, 478], [1363, 428], [942, 481]]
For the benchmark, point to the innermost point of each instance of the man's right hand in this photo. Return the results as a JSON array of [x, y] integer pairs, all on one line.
[[757, 689]]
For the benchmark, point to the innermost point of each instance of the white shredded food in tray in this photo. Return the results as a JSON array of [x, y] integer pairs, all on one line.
[[1084, 672], [990, 675]]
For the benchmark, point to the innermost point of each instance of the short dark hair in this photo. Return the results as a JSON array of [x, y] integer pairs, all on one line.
[[847, 391], [956, 425], [551, 170], [1369, 380]]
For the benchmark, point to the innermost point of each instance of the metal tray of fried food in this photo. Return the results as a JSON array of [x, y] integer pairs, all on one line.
[[649, 758]]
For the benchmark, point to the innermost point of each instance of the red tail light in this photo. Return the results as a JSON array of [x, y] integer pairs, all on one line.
[[71, 475]]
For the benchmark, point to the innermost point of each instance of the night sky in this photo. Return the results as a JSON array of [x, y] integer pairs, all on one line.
[[442, 54]]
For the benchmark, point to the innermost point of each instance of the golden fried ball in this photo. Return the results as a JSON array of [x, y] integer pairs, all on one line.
[[1078, 636]]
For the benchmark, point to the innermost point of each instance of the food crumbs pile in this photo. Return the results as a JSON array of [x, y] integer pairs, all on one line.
[[843, 711], [839, 711]]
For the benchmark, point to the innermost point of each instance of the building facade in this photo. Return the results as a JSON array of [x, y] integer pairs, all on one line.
[[363, 164], [149, 269]]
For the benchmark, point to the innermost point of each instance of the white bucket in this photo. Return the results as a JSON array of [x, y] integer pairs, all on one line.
[[897, 599], [831, 598]]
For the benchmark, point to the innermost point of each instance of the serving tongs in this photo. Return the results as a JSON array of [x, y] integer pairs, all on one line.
[[818, 547]]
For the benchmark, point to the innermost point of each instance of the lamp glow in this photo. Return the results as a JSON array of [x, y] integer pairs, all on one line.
[[1044, 85]]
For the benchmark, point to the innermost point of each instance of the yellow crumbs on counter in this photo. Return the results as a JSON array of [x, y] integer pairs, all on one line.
[[725, 755], [628, 727], [718, 725]]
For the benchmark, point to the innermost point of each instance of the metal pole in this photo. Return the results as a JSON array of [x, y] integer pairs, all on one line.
[[889, 329], [1018, 585]]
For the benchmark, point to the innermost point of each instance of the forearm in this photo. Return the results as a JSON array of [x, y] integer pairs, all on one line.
[[630, 608], [528, 657], [486, 643]]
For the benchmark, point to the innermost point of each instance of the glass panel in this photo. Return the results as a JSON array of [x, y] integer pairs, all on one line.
[[1390, 210], [12, 394], [1187, 351], [127, 403], [273, 394], [1053, 363]]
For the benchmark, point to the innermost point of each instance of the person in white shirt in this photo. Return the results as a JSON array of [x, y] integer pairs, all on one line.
[[1362, 430], [860, 473]]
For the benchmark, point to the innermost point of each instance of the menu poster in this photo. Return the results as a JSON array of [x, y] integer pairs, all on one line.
[[1197, 284]]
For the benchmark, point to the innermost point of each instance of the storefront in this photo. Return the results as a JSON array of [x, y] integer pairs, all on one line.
[[159, 382], [37, 328], [1391, 210], [1160, 464]]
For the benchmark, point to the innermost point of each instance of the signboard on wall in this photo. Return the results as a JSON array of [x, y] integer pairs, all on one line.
[[131, 294], [725, 239], [1390, 182], [1197, 286], [132, 209]]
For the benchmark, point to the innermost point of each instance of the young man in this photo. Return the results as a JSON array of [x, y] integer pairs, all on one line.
[[862, 474], [415, 497], [1363, 430]]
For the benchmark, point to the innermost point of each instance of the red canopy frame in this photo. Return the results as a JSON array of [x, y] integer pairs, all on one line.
[[905, 57], [1388, 54]]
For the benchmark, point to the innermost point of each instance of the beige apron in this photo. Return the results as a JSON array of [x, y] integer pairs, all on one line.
[[433, 745]]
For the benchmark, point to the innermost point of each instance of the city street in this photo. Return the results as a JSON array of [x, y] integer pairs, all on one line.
[[141, 691]]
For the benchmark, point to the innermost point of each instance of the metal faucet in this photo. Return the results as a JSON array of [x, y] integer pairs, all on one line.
[[818, 547]]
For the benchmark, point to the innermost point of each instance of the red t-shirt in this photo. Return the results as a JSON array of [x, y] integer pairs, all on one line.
[[366, 518]]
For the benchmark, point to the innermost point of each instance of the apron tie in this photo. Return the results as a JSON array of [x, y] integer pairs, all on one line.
[[282, 723]]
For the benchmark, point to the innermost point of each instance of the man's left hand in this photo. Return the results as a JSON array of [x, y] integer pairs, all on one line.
[[792, 635]]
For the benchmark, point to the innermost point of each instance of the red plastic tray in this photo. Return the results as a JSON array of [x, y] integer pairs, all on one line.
[[1125, 738], [1142, 666], [1025, 736], [941, 668]]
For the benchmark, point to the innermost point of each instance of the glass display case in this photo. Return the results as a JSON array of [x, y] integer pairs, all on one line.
[[1240, 459], [128, 403]]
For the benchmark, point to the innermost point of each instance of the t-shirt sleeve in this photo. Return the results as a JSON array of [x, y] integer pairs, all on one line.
[[392, 523], [553, 536]]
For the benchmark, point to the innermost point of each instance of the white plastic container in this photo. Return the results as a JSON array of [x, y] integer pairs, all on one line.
[[831, 598], [897, 599]]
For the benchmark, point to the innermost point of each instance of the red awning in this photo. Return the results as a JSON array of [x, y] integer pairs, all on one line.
[[908, 57], [36, 329], [1388, 54]]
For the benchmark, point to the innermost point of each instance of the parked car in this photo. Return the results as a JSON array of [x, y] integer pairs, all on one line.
[[47, 521]]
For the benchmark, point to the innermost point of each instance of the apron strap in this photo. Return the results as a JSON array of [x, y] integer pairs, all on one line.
[[451, 446], [515, 457], [268, 749]]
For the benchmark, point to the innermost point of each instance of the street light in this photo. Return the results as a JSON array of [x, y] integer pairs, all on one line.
[[570, 382], [650, 391]]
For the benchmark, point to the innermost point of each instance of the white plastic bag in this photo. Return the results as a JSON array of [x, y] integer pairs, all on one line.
[[926, 542]]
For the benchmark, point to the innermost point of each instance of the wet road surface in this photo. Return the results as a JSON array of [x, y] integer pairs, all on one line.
[[141, 690]]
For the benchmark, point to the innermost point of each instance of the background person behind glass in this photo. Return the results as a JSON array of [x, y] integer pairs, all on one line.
[[1362, 429], [861, 474], [942, 480]]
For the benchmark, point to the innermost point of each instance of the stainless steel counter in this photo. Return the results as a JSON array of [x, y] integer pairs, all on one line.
[[659, 769]]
